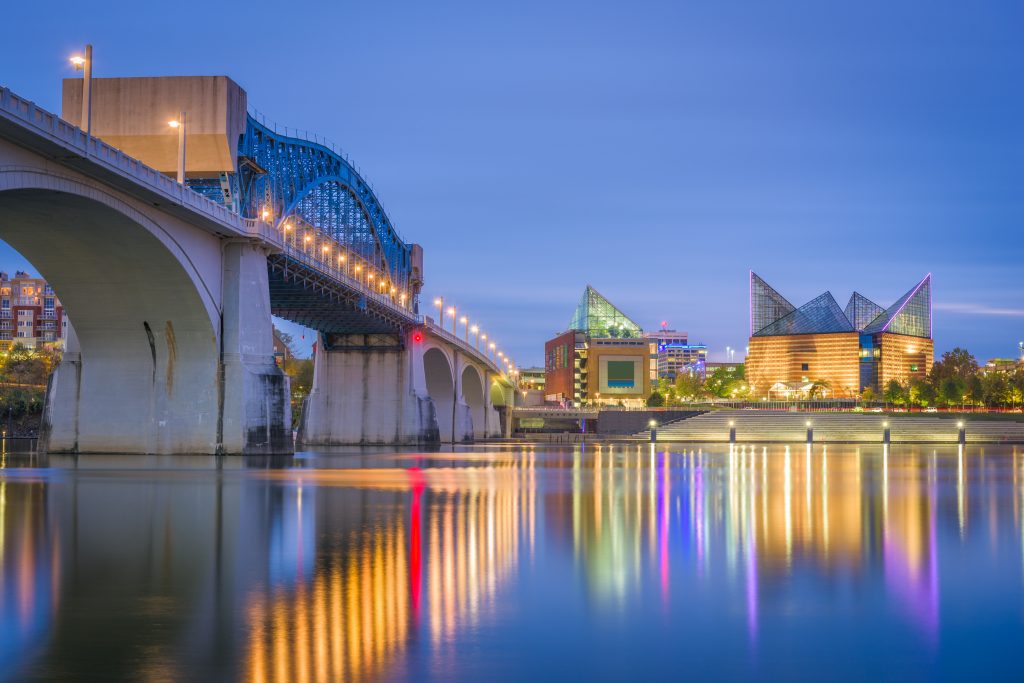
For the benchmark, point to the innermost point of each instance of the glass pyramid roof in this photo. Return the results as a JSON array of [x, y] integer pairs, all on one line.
[[771, 314], [596, 316], [819, 315], [766, 305], [861, 311], [910, 315]]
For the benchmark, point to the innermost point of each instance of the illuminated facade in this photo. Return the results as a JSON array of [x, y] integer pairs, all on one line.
[[675, 355], [30, 312], [837, 352], [604, 357]]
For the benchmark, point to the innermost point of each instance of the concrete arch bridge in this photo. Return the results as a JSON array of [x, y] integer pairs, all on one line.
[[171, 286]]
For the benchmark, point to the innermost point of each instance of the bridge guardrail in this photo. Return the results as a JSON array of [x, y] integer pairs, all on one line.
[[92, 148], [461, 343]]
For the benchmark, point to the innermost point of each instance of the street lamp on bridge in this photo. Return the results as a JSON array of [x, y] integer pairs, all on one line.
[[492, 347], [439, 302], [84, 64], [451, 312], [179, 124], [476, 336], [465, 321]]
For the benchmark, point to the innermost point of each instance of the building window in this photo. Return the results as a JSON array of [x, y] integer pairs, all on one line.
[[913, 367], [805, 366]]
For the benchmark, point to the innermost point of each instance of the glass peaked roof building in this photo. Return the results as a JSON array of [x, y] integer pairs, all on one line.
[[772, 315], [596, 316], [842, 352]]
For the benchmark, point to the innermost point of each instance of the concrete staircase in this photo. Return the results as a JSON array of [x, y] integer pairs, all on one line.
[[764, 426]]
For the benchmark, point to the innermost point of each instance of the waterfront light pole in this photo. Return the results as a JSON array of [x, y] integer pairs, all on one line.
[[180, 125], [84, 64]]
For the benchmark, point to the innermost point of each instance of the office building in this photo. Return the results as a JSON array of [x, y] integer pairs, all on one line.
[[824, 350], [675, 355]]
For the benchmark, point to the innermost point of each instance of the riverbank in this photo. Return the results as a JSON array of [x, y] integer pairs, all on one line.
[[752, 426]]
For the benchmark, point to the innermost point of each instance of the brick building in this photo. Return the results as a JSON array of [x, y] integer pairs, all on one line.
[[30, 312]]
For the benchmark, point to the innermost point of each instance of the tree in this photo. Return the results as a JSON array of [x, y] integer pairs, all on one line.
[[995, 389], [820, 388], [894, 393], [722, 381], [300, 370], [689, 386], [956, 363], [951, 391], [921, 393], [24, 366], [655, 400], [868, 395]]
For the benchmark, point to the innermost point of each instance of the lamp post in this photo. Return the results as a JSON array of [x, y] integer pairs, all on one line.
[[180, 126], [483, 338], [476, 336], [84, 64], [465, 322], [452, 311], [492, 347], [439, 302]]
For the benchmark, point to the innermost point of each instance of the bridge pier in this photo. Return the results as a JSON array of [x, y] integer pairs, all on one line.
[[255, 414], [368, 389]]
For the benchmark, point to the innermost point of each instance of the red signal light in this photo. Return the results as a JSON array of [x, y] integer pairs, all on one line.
[[417, 337]]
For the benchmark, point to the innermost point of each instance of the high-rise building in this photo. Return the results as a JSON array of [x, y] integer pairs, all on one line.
[[30, 312], [675, 355], [833, 351], [602, 358]]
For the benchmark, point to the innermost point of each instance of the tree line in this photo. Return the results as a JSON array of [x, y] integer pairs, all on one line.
[[954, 381], [957, 381]]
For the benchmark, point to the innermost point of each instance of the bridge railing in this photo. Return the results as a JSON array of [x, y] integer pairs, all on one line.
[[321, 253], [462, 344], [112, 159]]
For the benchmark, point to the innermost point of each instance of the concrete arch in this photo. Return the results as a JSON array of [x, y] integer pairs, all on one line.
[[473, 395], [146, 348], [440, 380]]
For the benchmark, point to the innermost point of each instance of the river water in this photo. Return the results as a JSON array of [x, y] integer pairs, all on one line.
[[623, 563]]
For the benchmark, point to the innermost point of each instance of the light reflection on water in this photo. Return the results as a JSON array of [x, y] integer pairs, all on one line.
[[608, 562]]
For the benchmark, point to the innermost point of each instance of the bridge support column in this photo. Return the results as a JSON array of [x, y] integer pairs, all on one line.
[[62, 394], [492, 421], [462, 414], [255, 394], [368, 389]]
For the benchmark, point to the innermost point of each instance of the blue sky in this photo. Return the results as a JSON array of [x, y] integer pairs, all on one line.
[[656, 150]]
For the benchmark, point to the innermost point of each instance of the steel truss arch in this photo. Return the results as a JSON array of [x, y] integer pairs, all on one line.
[[279, 174]]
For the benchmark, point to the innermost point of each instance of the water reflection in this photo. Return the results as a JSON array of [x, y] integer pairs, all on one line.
[[368, 567]]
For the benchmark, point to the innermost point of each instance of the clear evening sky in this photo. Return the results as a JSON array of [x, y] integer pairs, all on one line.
[[656, 150]]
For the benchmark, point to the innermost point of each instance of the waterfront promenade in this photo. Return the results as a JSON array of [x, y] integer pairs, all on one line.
[[780, 427]]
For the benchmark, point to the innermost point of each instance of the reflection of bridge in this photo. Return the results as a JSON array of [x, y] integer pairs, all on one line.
[[170, 288]]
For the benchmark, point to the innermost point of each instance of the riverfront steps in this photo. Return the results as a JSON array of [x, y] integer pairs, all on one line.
[[769, 426]]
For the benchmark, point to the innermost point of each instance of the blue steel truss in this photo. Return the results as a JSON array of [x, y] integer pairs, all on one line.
[[283, 178]]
